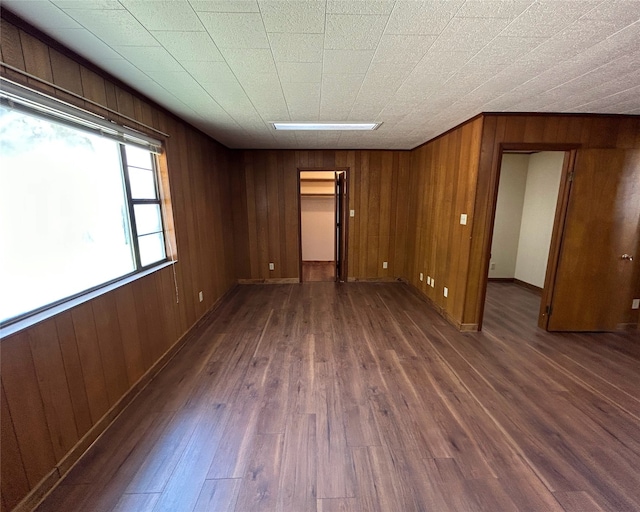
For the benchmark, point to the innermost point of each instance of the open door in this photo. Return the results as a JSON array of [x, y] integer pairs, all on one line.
[[341, 225], [594, 279]]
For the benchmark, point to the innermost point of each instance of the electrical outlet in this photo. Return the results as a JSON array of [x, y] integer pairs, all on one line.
[[272, 266], [429, 280], [446, 291], [493, 266], [433, 282], [200, 296], [635, 304], [352, 213], [385, 264], [463, 219], [421, 276]]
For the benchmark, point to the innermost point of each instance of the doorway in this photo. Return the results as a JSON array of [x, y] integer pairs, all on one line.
[[528, 206], [323, 224]]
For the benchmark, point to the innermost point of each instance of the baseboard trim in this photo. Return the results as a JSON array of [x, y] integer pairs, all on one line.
[[46, 486], [442, 312], [528, 286], [277, 280], [374, 279], [501, 279]]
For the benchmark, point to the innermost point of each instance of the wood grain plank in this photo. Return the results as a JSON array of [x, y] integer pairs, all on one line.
[[13, 479], [90, 360], [26, 409], [54, 389]]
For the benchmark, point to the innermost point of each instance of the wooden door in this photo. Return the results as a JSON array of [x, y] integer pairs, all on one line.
[[341, 226], [594, 282]]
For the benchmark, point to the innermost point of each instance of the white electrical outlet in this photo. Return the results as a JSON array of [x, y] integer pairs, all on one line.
[[272, 266], [433, 282], [493, 266], [446, 291], [421, 276], [463, 219], [385, 264], [352, 213], [635, 304], [200, 296]]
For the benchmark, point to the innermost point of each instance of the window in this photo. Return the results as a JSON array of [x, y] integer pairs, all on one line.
[[79, 206]]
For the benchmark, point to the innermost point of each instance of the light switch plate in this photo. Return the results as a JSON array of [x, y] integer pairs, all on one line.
[[385, 264], [272, 266], [429, 280], [463, 219], [446, 291], [352, 213], [635, 304], [421, 276], [433, 282]]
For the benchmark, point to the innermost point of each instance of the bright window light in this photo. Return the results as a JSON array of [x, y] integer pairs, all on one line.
[[326, 126]]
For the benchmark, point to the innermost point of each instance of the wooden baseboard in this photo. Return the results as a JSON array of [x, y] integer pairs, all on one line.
[[528, 286], [277, 280], [513, 280], [442, 312], [373, 279], [43, 488]]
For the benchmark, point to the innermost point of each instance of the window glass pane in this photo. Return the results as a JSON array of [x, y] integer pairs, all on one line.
[[147, 218], [63, 217], [138, 157], [143, 184], [151, 248]]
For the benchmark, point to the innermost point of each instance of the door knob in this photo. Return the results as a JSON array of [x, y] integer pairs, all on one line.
[[627, 257]]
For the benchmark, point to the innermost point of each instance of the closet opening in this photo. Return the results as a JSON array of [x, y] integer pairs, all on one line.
[[323, 205], [527, 229]]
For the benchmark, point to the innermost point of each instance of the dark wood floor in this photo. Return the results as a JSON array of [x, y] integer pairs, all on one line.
[[358, 397], [318, 271]]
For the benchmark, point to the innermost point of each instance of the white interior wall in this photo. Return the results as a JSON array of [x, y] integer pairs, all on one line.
[[318, 217], [538, 213], [506, 229]]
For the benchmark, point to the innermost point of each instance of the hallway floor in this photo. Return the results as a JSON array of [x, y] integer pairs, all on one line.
[[359, 397]]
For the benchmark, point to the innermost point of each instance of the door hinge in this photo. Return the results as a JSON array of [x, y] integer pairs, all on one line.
[[548, 310], [571, 175]]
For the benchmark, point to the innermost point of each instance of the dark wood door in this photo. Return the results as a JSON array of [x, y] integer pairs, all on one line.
[[594, 281], [341, 226]]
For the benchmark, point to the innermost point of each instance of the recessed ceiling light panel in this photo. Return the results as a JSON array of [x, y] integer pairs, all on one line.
[[325, 126]]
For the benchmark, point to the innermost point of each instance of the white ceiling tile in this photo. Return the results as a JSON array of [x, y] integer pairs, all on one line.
[[347, 61], [88, 4], [206, 72], [189, 46], [353, 32], [149, 58], [421, 17], [114, 27], [299, 71], [360, 6], [225, 5], [295, 16], [405, 48], [86, 44], [164, 15], [247, 63], [125, 71], [296, 47], [235, 30], [493, 8], [41, 14], [439, 62], [468, 34]]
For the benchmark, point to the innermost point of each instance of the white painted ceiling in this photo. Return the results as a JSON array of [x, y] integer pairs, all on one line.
[[230, 67]]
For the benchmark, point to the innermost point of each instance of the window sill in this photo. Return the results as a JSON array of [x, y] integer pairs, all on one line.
[[25, 323]]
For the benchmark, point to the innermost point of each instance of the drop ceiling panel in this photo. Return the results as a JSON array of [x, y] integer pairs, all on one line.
[[231, 67]]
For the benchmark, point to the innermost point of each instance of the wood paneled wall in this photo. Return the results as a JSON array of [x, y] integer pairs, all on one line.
[[266, 215], [615, 132], [60, 378], [443, 180]]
